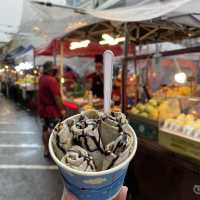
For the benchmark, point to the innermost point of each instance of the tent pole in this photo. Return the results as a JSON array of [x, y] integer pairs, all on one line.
[[136, 71], [61, 70], [34, 58], [54, 53], [124, 71], [54, 59], [134, 58]]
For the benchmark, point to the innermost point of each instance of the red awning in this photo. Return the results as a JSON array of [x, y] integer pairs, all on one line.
[[92, 50]]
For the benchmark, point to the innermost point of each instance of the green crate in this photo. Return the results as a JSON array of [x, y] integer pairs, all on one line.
[[145, 128]]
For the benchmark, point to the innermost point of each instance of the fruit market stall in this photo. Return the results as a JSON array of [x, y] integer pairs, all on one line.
[[168, 155], [158, 106], [76, 91], [181, 133], [26, 87]]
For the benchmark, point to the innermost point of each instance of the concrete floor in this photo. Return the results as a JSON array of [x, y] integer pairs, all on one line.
[[24, 173]]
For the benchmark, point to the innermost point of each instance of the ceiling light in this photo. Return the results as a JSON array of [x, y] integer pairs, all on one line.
[[107, 39], [77, 45], [62, 80], [120, 39], [24, 66], [36, 28], [21, 73], [103, 42], [2, 70], [180, 77]]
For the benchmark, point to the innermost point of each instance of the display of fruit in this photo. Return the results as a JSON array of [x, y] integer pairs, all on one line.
[[184, 124], [169, 108], [157, 109], [140, 107], [148, 110], [28, 79], [144, 114], [153, 102], [135, 111], [173, 91]]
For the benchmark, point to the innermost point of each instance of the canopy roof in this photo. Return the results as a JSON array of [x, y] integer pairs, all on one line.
[[26, 55], [40, 24], [10, 19], [179, 11], [149, 21], [140, 32], [10, 57], [139, 11], [93, 49]]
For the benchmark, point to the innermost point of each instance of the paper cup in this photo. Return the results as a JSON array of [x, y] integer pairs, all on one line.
[[102, 185]]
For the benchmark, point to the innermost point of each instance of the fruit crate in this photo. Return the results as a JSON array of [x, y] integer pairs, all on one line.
[[180, 143], [144, 127]]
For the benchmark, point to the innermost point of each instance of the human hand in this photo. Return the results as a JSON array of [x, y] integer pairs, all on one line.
[[121, 196], [64, 113]]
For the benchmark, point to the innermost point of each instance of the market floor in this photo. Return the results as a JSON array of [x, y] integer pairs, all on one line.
[[24, 173]]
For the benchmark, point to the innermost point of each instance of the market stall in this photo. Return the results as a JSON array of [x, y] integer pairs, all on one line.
[[20, 77], [78, 98]]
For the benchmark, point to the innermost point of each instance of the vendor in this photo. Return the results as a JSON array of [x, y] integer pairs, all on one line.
[[97, 77]]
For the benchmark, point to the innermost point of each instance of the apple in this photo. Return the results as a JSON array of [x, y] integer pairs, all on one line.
[[140, 107], [144, 114], [153, 102], [149, 108], [135, 111]]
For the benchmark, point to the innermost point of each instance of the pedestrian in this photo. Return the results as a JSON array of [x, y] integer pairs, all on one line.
[[51, 108]]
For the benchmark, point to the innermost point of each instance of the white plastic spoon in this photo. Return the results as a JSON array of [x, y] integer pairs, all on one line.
[[108, 75]]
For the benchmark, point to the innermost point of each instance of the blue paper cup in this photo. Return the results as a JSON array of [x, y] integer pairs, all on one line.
[[102, 185]]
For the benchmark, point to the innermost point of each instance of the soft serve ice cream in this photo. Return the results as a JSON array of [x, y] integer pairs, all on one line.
[[93, 141]]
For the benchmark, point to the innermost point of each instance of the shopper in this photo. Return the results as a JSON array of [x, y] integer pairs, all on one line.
[[97, 77], [121, 196], [51, 107]]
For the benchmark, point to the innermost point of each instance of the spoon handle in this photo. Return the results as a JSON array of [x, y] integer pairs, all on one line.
[[108, 57]]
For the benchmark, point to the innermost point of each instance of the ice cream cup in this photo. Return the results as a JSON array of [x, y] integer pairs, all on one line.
[[102, 185]]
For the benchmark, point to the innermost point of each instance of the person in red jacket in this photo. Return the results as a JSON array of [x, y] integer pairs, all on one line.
[[51, 108]]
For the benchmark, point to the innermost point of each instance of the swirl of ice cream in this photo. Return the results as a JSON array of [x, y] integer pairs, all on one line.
[[62, 140], [111, 126], [115, 119], [85, 134], [118, 150], [79, 159], [106, 139]]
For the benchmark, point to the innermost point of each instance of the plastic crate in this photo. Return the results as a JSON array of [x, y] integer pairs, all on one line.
[[180, 144], [145, 128]]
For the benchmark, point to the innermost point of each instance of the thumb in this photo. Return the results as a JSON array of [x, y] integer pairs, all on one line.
[[122, 194], [68, 196]]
